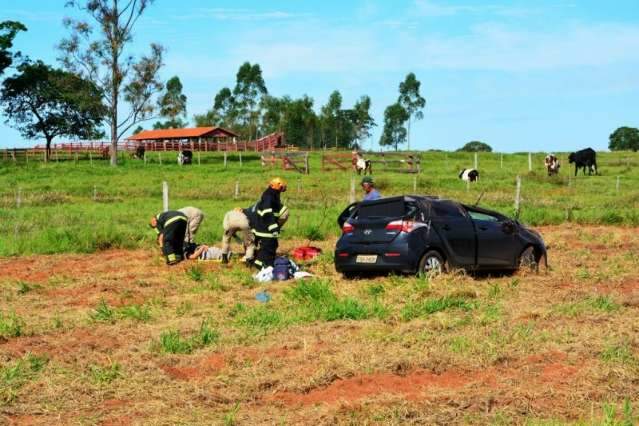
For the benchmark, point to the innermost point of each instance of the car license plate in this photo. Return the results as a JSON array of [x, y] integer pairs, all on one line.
[[366, 258]]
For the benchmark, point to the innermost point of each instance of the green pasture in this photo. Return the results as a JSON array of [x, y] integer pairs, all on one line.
[[81, 206]]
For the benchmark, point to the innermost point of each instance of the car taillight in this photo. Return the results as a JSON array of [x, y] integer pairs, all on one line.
[[347, 228], [401, 226]]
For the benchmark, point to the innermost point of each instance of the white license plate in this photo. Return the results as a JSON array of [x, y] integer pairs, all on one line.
[[366, 258]]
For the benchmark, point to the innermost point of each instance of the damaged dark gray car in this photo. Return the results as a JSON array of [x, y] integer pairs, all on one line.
[[424, 234]]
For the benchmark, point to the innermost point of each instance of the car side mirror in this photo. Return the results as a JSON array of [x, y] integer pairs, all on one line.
[[508, 227]]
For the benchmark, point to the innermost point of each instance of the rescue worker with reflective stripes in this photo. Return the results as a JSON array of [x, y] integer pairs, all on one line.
[[263, 218], [171, 228], [236, 223]]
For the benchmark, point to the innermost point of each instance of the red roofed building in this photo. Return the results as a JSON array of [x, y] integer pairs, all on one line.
[[187, 134]]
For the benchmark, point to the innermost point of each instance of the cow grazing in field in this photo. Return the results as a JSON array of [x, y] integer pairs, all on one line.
[[360, 164], [586, 158], [139, 153], [552, 164], [469, 175], [185, 157]]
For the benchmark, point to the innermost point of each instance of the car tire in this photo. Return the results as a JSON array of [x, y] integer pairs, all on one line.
[[528, 260], [431, 264]]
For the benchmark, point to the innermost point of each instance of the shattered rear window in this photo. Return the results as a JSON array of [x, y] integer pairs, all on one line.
[[377, 210]]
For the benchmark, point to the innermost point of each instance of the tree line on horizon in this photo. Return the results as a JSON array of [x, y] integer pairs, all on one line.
[[98, 76]]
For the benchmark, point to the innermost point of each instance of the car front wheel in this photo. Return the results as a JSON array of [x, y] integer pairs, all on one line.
[[528, 260], [431, 264]]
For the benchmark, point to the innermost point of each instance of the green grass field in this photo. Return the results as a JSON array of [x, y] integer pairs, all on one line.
[[82, 207], [109, 335]]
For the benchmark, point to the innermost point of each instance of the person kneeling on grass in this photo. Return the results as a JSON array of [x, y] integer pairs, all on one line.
[[171, 228]]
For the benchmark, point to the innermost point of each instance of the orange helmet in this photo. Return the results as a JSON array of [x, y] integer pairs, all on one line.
[[277, 184]]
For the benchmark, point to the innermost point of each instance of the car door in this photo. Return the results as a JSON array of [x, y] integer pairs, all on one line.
[[496, 243], [456, 232]]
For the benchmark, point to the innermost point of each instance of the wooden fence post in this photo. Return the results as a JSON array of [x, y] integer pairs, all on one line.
[[414, 184], [617, 185], [165, 196], [199, 161], [225, 159], [90, 158], [517, 197], [95, 193], [351, 197], [240, 158], [160, 157], [501, 160], [237, 189], [18, 197], [476, 160], [530, 162]]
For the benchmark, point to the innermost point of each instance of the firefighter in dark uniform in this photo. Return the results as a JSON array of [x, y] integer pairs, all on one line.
[[263, 218], [171, 228]]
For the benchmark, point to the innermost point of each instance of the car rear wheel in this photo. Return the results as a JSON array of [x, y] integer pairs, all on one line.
[[431, 264], [528, 260]]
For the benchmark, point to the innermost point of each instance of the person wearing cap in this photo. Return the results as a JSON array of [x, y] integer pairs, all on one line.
[[370, 193], [263, 218], [171, 228]]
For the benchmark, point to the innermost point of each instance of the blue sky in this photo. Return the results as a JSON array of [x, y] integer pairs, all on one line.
[[520, 75]]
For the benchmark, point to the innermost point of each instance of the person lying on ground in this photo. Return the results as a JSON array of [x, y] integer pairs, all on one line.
[[204, 252]]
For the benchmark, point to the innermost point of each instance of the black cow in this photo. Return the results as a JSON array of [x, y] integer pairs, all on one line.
[[185, 157], [139, 153], [584, 158]]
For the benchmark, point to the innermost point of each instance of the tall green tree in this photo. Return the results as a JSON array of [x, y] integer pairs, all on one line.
[[99, 53], [330, 118], [411, 100], [8, 31], [624, 139], [394, 133], [223, 113], [363, 121], [294, 117], [248, 91], [43, 102], [172, 106]]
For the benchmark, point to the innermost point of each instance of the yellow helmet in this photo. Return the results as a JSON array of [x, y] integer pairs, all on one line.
[[277, 183]]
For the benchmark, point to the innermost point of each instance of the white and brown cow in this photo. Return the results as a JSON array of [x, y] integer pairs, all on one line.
[[552, 164], [360, 164]]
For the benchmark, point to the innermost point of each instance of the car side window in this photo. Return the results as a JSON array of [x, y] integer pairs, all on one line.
[[446, 210], [482, 216]]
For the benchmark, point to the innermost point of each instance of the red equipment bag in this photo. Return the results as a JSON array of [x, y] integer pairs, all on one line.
[[306, 253]]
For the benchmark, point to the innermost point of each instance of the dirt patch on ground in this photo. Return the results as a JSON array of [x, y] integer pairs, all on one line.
[[410, 386], [67, 346], [40, 269]]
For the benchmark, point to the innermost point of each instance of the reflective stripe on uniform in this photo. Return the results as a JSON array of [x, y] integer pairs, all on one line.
[[174, 219], [258, 263], [281, 212], [264, 234], [263, 212], [272, 227]]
